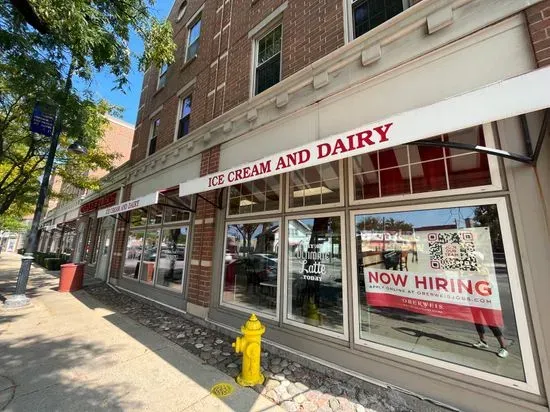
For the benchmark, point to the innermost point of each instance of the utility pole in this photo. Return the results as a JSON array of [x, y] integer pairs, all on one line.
[[19, 299]]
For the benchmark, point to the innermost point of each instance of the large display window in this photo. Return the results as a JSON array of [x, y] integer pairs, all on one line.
[[251, 266], [315, 273], [157, 244], [440, 284], [415, 171]]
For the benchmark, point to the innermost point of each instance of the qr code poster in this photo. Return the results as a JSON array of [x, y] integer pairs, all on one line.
[[451, 274], [461, 250]]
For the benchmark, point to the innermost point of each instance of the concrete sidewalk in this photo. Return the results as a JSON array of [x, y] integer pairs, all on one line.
[[67, 352]]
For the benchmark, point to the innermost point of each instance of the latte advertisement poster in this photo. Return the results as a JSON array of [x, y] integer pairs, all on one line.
[[444, 273]]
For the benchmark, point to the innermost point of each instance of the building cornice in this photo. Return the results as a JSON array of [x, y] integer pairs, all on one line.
[[419, 31]]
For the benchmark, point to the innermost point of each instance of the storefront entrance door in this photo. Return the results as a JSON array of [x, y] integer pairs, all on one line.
[[104, 253]]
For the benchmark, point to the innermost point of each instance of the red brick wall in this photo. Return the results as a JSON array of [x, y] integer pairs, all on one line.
[[311, 29], [200, 273], [538, 18]]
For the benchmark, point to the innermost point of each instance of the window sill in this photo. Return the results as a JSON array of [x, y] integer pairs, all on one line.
[[188, 62], [160, 89]]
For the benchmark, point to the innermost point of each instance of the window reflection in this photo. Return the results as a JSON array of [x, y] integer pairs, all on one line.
[[134, 248], [251, 265], [150, 249], [315, 272], [171, 262], [435, 282], [413, 169], [316, 185]]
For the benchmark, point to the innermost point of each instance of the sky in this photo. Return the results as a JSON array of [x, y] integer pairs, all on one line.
[[103, 82]]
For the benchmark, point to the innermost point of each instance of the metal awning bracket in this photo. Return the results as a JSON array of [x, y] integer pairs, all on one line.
[[476, 148]]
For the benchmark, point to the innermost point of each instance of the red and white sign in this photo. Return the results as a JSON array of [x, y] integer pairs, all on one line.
[[454, 277], [107, 200], [147, 200], [512, 97]]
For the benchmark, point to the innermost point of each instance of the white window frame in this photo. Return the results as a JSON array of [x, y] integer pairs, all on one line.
[[181, 10], [181, 100], [169, 226], [349, 27], [531, 383], [161, 74], [345, 335], [159, 226], [134, 229], [255, 49], [192, 21], [265, 212], [243, 308], [151, 137], [320, 206], [494, 172]]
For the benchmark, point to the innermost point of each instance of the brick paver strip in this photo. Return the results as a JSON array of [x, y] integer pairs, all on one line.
[[289, 384]]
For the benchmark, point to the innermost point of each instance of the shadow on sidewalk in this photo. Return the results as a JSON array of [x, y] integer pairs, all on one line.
[[206, 377], [39, 362]]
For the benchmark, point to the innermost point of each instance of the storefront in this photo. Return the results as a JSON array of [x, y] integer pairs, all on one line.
[[155, 256], [93, 234], [392, 244]]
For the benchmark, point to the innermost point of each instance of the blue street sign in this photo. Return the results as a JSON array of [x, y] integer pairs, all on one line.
[[43, 119]]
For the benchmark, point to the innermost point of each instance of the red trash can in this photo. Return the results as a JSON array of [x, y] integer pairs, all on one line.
[[71, 277]]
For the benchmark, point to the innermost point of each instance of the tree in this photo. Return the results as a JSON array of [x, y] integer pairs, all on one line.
[[77, 39]]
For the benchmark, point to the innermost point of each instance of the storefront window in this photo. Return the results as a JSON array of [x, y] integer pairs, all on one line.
[[316, 272], [88, 252], [171, 262], [252, 266], [138, 217], [435, 282], [155, 215], [150, 250], [155, 253], [134, 249], [259, 196], [411, 169], [175, 207], [95, 250], [315, 186]]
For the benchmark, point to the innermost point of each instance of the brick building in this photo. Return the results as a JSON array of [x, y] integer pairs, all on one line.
[[59, 224], [356, 173]]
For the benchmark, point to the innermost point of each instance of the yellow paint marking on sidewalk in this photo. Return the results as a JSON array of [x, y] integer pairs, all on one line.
[[222, 389]]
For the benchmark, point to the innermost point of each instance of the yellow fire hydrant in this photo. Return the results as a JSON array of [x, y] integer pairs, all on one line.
[[250, 345]]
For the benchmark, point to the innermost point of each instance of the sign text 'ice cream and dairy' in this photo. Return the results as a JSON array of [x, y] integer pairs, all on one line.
[[302, 157], [498, 101], [310, 155], [147, 200]]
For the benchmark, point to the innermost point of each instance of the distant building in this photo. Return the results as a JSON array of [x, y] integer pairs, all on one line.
[[58, 228]]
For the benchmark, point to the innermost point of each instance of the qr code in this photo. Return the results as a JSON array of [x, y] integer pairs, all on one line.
[[452, 251]]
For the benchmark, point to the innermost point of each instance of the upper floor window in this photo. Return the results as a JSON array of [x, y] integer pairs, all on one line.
[[413, 170], [259, 196], [268, 60], [153, 138], [181, 10], [193, 38], [184, 117], [162, 76], [367, 14]]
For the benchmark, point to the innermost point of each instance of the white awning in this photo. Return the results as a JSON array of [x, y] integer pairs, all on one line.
[[518, 95], [147, 200]]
